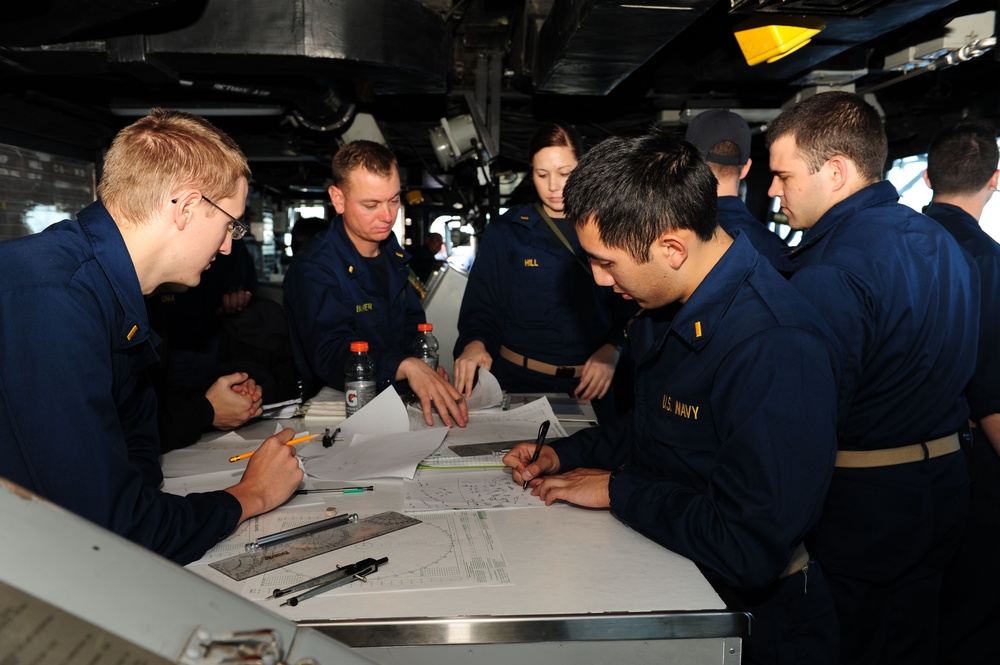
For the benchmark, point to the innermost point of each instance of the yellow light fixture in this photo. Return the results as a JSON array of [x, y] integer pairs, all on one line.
[[762, 41]]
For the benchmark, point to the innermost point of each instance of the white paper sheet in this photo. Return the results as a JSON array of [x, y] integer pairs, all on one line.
[[520, 424], [212, 456], [280, 519], [393, 455], [447, 551], [487, 392], [386, 414], [464, 490], [204, 482]]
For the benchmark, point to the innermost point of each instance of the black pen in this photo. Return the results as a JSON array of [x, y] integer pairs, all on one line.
[[543, 429]]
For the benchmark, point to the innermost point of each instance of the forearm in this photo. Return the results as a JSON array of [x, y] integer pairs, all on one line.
[[990, 427]]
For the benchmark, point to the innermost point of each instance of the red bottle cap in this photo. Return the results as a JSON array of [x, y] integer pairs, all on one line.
[[359, 347], [425, 327]]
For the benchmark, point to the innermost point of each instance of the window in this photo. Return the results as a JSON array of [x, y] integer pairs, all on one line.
[[39, 189]]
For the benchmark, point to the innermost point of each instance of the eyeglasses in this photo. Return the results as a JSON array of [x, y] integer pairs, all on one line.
[[236, 227]]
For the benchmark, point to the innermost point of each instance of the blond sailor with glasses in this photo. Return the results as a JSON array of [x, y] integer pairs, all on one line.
[[77, 412]]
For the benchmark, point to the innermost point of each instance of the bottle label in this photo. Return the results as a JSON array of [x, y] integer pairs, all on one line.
[[357, 394], [431, 360]]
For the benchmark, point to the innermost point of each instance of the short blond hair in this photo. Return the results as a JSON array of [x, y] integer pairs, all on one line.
[[361, 154], [163, 152]]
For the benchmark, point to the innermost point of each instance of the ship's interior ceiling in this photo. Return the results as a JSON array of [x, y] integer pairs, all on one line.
[[290, 79]]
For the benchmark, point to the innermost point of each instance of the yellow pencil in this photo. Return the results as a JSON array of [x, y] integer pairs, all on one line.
[[301, 439]]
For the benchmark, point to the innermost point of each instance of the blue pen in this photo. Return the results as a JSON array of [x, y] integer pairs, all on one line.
[[543, 429]]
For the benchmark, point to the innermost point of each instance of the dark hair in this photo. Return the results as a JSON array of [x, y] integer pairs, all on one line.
[[962, 159], [835, 123], [556, 134], [636, 188], [368, 155], [726, 149]]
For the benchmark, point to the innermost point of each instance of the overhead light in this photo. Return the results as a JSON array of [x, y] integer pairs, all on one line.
[[455, 140], [763, 41]]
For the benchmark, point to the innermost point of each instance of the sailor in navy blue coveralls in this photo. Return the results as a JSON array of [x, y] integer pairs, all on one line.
[[528, 293], [971, 593], [900, 296], [728, 453], [734, 416], [86, 439], [724, 140], [902, 300], [335, 296]]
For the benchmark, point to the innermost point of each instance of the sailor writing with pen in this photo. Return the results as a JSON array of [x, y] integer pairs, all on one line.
[[730, 447]]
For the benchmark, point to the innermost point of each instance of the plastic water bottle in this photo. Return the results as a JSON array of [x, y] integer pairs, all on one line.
[[425, 346], [359, 378]]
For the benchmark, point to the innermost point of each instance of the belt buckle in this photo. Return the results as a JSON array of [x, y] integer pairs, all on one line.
[[565, 372]]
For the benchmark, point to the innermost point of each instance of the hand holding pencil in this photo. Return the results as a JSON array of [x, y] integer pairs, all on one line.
[[295, 441], [271, 476]]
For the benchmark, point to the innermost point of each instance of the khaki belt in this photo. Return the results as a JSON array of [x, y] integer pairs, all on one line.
[[565, 372], [860, 459]]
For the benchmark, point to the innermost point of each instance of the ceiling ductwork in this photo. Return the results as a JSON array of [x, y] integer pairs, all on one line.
[[403, 50], [843, 31], [288, 79], [46, 22], [587, 47]]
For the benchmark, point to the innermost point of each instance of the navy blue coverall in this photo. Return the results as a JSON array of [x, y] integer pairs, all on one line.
[[903, 302], [970, 598], [734, 216], [731, 446], [334, 297], [77, 410], [528, 293]]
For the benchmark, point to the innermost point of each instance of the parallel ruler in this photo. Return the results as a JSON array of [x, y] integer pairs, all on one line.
[[244, 566]]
